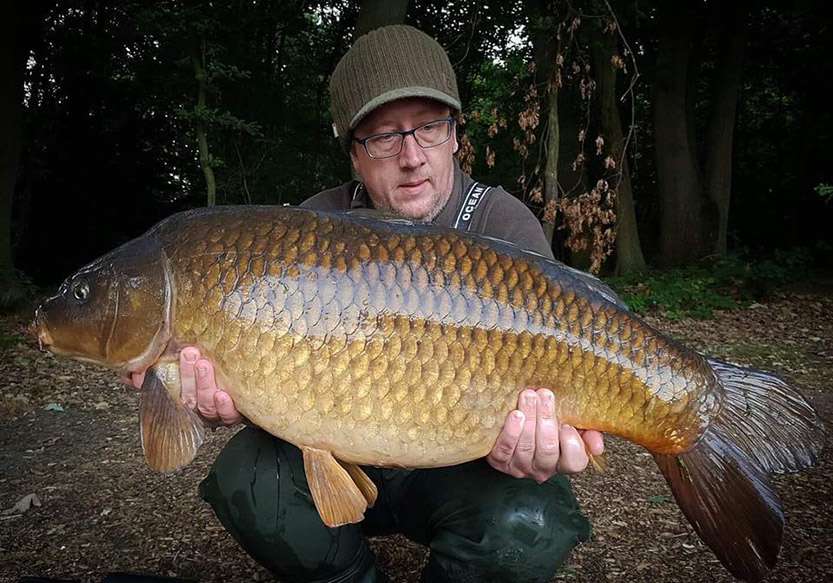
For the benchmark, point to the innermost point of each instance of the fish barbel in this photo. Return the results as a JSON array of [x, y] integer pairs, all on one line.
[[386, 342]]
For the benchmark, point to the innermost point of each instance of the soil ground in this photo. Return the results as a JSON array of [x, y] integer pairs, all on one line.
[[68, 434]]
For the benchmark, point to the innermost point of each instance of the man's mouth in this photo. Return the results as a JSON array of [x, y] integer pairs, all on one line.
[[414, 184]]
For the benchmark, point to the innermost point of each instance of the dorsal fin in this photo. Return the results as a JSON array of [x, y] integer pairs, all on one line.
[[584, 279], [595, 284], [384, 216], [588, 280]]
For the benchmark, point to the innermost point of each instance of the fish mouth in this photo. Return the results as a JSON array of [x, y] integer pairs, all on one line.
[[39, 330]]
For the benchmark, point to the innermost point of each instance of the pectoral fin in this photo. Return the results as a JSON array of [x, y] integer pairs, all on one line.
[[171, 432], [337, 497]]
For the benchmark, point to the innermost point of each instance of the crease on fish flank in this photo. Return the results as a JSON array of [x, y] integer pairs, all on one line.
[[113, 321]]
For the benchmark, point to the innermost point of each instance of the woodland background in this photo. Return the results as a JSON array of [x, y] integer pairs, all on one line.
[[644, 134], [680, 148]]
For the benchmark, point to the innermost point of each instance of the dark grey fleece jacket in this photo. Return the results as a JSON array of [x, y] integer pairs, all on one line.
[[499, 214]]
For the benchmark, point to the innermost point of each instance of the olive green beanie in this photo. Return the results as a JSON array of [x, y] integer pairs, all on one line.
[[386, 64]]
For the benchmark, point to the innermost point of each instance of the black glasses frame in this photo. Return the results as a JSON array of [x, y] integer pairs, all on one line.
[[404, 133]]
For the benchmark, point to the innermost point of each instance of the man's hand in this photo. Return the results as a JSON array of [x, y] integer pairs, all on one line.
[[531, 444], [199, 390]]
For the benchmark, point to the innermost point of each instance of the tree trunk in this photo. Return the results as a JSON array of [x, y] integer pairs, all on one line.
[[377, 13], [197, 50], [551, 158], [545, 49], [718, 175], [629, 257], [682, 232], [18, 24]]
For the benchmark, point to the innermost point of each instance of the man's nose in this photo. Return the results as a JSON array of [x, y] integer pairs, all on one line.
[[412, 154]]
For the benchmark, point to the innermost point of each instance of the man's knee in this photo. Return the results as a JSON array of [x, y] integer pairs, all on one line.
[[257, 488], [539, 529], [245, 474], [242, 488], [521, 534]]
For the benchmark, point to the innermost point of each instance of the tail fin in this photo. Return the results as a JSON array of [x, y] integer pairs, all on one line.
[[771, 421], [721, 484]]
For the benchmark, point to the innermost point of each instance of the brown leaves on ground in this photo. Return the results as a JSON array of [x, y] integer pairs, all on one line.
[[102, 509]]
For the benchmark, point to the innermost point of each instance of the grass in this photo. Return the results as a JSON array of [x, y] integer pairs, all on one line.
[[735, 280], [10, 340]]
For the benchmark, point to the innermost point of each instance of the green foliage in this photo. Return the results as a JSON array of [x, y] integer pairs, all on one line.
[[491, 119], [218, 70], [9, 340], [825, 191], [16, 289], [219, 119], [725, 283]]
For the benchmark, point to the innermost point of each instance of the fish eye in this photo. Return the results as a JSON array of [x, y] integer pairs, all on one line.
[[81, 290]]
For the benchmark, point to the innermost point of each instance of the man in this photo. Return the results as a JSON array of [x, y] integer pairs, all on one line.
[[394, 97]]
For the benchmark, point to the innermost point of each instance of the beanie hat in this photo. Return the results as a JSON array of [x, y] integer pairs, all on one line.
[[386, 64]]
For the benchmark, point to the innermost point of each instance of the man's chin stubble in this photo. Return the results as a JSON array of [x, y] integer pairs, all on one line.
[[429, 216], [436, 209]]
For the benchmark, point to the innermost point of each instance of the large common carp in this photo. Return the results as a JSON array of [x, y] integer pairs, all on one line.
[[385, 342]]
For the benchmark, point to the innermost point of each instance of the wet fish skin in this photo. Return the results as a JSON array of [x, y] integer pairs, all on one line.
[[356, 336], [391, 343]]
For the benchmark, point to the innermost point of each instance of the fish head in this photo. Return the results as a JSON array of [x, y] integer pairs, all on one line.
[[114, 311]]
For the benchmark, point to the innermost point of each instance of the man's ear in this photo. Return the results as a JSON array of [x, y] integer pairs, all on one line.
[[456, 145], [354, 158], [354, 163]]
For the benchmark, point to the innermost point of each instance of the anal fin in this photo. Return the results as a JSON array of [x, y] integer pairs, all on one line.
[[171, 432], [365, 484], [338, 499]]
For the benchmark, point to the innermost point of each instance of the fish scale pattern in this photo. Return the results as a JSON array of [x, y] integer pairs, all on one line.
[[402, 344]]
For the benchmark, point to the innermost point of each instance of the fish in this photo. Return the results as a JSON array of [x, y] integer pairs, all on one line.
[[368, 339]]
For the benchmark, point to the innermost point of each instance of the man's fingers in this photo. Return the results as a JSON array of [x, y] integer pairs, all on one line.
[[206, 388], [594, 440], [525, 448], [573, 457], [504, 447], [198, 389], [226, 410], [547, 447], [188, 376], [508, 438], [137, 379]]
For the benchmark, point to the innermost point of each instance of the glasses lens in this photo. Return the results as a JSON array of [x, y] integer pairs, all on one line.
[[433, 133], [384, 145]]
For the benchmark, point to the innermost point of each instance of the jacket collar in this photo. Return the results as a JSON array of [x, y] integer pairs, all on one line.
[[446, 217]]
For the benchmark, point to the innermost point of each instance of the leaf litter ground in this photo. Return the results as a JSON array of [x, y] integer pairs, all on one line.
[[68, 435]]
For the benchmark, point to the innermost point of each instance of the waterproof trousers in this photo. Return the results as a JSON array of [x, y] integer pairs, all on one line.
[[480, 524]]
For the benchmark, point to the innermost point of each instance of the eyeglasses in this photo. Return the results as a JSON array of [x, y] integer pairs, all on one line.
[[429, 135]]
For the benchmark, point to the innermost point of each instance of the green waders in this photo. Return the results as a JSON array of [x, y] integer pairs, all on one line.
[[480, 524]]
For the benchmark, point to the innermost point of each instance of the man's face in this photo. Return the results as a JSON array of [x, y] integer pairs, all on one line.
[[416, 183]]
